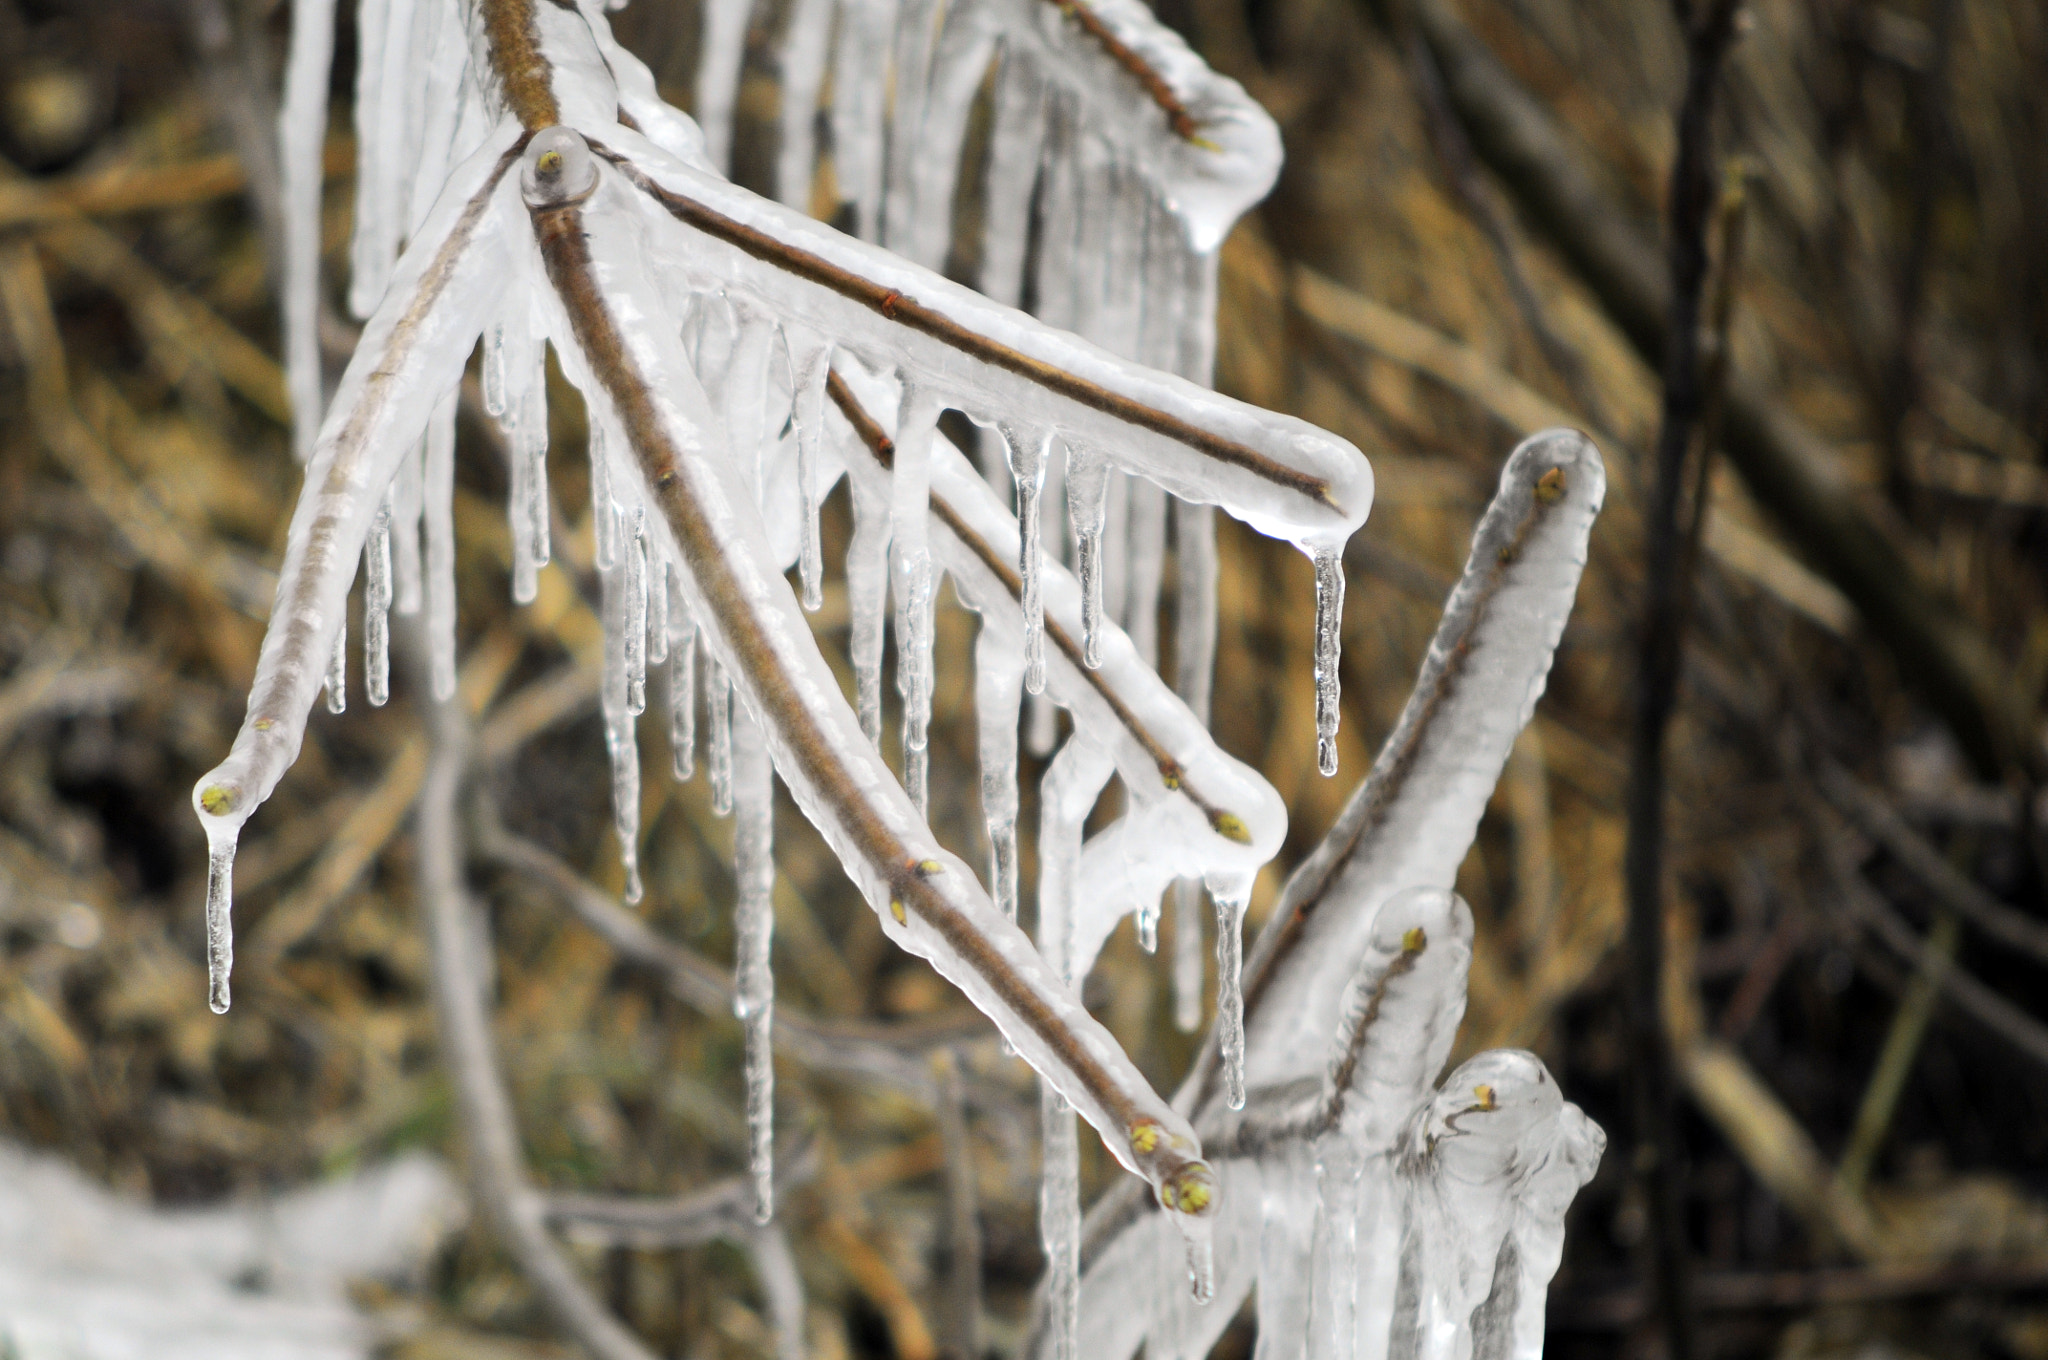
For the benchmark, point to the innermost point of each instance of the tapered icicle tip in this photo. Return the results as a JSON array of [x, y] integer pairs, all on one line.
[[1329, 637], [219, 807]]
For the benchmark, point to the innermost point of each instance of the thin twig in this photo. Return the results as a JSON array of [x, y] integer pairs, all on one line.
[[516, 1214], [1659, 656], [888, 1054], [1872, 816]]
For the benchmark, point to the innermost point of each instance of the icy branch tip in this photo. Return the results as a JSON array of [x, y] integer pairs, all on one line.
[[557, 169]]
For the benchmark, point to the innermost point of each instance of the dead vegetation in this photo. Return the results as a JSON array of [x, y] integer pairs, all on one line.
[[1854, 936]]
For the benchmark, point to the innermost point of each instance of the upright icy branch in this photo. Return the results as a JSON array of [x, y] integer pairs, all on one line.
[[1376, 1212]]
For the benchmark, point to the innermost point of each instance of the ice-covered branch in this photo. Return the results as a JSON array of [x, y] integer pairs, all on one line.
[[1375, 1211]]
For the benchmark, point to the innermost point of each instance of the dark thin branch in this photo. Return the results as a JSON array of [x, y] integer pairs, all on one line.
[[1872, 816], [722, 1212], [891, 1054], [1659, 655], [1786, 466]]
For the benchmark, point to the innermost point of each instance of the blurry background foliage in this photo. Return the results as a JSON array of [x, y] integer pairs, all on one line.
[[1863, 1155]]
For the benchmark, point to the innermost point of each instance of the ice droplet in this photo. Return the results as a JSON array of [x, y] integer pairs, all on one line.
[[1329, 637]]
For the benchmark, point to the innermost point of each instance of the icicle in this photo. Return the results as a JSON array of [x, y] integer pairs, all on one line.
[[1026, 450], [1329, 636], [496, 398], [998, 686], [803, 75], [1144, 566], [407, 502], [1116, 533], [867, 584], [1231, 896], [633, 620], [377, 605], [811, 365], [1059, 1222], [604, 513], [718, 742], [722, 45], [337, 670], [620, 737], [1187, 955], [220, 926], [527, 448], [1016, 135], [909, 512], [858, 108], [302, 128], [1087, 491], [657, 604], [682, 695], [438, 513], [753, 925]]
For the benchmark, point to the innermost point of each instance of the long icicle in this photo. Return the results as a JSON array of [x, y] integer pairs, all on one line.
[[718, 739], [377, 605], [915, 584], [753, 793], [620, 735], [1329, 637], [682, 692], [811, 367], [437, 514], [1026, 450], [998, 688], [1087, 500]]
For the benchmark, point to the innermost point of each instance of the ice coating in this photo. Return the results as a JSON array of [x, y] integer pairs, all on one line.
[[1409, 825], [711, 528], [1193, 808], [1286, 483], [753, 930]]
